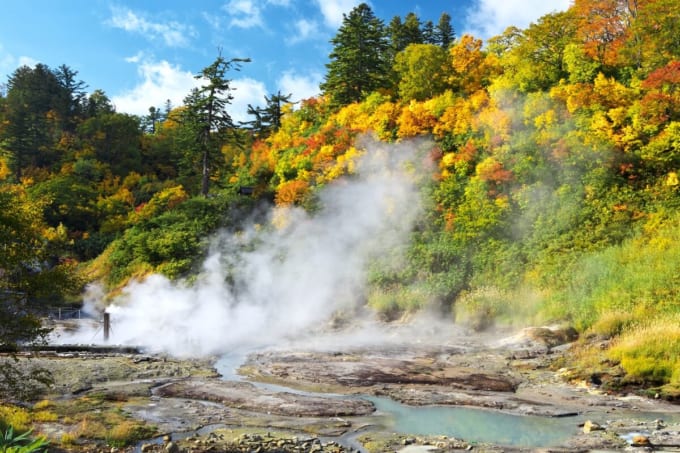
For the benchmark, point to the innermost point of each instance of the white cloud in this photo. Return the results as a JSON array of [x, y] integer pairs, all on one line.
[[244, 13], [491, 17], [333, 10], [27, 61], [172, 33], [246, 91], [304, 29], [160, 81], [300, 86]]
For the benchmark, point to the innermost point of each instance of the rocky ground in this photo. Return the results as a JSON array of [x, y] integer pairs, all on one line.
[[306, 396]]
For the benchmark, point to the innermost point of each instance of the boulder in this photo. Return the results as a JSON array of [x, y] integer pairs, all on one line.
[[590, 426]]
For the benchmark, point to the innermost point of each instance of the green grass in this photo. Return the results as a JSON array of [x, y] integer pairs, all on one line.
[[650, 353], [639, 277]]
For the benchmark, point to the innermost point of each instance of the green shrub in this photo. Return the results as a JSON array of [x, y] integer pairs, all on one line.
[[14, 442]]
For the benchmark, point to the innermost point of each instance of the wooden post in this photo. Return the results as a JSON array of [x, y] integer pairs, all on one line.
[[107, 326]]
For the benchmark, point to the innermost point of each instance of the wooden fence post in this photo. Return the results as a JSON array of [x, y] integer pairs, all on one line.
[[107, 326]]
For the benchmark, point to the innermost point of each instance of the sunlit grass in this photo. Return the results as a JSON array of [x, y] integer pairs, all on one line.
[[650, 353], [639, 278], [14, 416]]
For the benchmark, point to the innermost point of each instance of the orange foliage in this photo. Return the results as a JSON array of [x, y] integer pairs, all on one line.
[[415, 119], [492, 170], [291, 192], [662, 101], [604, 26]]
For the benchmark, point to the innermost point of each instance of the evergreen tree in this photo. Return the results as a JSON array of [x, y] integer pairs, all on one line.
[[206, 116], [402, 34], [429, 35], [268, 119], [444, 32], [30, 131], [412, 32], [359, 63], [70, 100]]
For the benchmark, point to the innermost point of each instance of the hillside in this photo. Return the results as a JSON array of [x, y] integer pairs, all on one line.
[[550, 194]]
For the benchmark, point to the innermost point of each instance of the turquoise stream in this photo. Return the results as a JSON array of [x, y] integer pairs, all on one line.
[[477, 425], [470, 424]]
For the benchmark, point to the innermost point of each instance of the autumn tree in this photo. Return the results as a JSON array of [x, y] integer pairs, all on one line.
[[205, 115], [30, 274], [603, 27], [421, 70], [358, 63], [534, 58]]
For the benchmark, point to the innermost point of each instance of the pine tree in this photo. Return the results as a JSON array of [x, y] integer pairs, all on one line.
[[444, 32], [429, 35], [206, 115], [268, 119], [359, 63]]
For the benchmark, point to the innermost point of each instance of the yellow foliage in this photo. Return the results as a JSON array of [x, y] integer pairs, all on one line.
[[384, 120], [281, 217], [291, 192], [15, 416], [165, 199], [438, 104], [4, 169], [447, 160], [415, 120], [343, 164], [672, 179]]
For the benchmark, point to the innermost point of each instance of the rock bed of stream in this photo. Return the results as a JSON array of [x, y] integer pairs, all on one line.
[[323, 404]]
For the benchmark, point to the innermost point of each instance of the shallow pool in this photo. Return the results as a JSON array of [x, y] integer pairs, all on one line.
[[477, 425]]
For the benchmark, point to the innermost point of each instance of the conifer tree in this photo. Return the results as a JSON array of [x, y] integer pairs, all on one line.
[[206, 116], [359, 63], [268, 119], [444, 32]]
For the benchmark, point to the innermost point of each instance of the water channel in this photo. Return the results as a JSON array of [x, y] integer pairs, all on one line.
[[470, 424]]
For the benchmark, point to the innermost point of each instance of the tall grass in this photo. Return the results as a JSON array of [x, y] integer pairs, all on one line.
[[650, 353], [640, 277]]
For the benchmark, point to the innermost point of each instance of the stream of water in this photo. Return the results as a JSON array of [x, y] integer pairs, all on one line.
[[470, 424], [477, 425]]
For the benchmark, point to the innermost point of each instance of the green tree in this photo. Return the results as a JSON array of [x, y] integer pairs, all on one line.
[[33, 96], [429, 34], [535, 58], [444, 32], [421, 71], [98, 103], [358, 63], [30, 273], [115, 139], [401, 34], [268, 119], [205, 114], [71, 99]]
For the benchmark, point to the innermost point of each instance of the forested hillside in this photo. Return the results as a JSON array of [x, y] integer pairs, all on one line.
[[553, 195]]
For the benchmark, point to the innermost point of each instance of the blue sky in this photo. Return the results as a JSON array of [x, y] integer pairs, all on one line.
[[144, 52]]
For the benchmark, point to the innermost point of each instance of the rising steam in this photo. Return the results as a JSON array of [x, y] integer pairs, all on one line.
[[285, 278]]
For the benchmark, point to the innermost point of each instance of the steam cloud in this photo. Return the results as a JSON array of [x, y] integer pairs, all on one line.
[[284, 280]]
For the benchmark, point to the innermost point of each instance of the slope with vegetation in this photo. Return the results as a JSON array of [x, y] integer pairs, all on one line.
[[554, 193]]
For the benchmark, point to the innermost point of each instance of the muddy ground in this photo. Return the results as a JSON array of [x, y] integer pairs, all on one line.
[[311, 394]]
